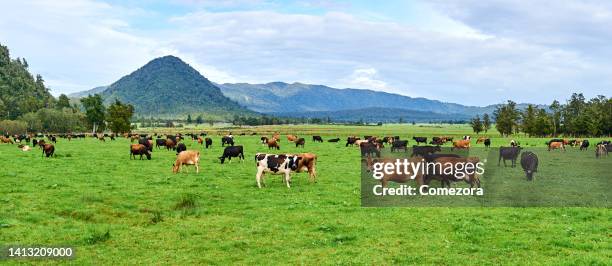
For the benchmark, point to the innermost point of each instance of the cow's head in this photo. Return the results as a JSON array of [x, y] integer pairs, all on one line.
[[148, 154], [222, 159], [294, 162]]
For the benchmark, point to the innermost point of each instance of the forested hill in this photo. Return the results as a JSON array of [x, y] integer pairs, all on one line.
[[20, 91], [167, 86]]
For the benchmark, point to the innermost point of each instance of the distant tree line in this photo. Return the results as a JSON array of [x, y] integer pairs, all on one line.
[[577, 117]]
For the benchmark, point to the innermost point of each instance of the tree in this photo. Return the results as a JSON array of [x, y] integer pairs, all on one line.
[[62, 102], [529, 120], [119, 116], [94, 111], [476, 124], [556, 108], [189, 119], [506, 117], [486, 123], [199, 120]]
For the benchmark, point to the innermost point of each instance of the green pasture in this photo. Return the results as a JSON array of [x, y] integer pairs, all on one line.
[[117, 211]]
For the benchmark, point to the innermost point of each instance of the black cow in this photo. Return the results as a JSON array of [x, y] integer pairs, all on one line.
[[34, 142], [487, 143], [399, 145], [300, 142], [333, 140], [317, 139], [424, 150], [232, 151], [420, 140], [529, 162], [351, 141], [160, 143], [436, 141], [146, 143], [264, 140], [227, 140], [180, 147], [508, 153], [585, 145], [208, 142]]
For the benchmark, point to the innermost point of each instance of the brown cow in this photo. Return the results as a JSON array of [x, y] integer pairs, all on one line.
[[556, 145], [291, 138], [446, 170], [395, 177], [170, 144], [6, 140], [187, 158], [48, 150], [200, 140], [139, 149], [461, 144], [276, 136], [272, 143], [308, 163]]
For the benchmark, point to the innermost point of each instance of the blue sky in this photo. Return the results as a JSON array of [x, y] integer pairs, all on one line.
[[468, 51]]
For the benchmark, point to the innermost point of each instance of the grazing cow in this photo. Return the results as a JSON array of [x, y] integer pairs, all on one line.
[[264, 140], [187, 158], [351, 141], [487, 142], [48, 150], [333, 140], [180, 147], [139, 149], [480, 140], [281, 164], [317, 139], [273, 144], [585, 145], [146, 143], [442, 171], [395, 176], [200, 141], [227, 140], [4, 139], [529, 162], [600, 151], [300, 142], [232, 151], [461, 144], [424, 150], [420, 140], [160, 143], [399, 145], [308, 163], [170, 144], [508, 153], [556, 145], [292, 138], [208, 142], [437, 141], [369, 149]]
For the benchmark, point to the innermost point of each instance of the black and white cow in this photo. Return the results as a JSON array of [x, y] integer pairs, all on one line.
[[278, 164]]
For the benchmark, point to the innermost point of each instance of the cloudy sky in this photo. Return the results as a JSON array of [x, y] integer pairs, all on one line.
[[471, 52]]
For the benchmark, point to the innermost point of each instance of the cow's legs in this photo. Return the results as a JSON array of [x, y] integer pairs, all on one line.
[[197, 166], [259, 177], [288, 178]]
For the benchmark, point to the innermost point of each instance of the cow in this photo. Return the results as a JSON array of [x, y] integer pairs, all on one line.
[[264, 140], [508, 153], [351, 141], [317, 139], [585, 145], [396, 177], [424, 150], [139, 149], [437, 141], [4, 139], [369, 148], [300, 142], [146, 143], [360, 141], [200, 140], [487, 142], [281, 164], [170, 144], [48, 150], [440, 171], [292, 138], [399, 145], [160, 143], [514, 143], [180, 147], [600, 151], [420, 140], [276, 136], [333, 140], [230, 152], [461, 144], [466, 137], [24, 147], [556, 145], [227, 140], [529, 162], [208, 142], [273, 144], [308, 163], [186, 158], [34, 142]]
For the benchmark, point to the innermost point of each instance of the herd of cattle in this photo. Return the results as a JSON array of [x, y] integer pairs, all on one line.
[[285, 164]]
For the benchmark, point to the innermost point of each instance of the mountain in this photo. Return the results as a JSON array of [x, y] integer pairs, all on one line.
[[279, 97], [378, 114], [168, 87], [86, 93]]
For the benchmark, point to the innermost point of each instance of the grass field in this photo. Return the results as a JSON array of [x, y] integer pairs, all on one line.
[[120, 211]]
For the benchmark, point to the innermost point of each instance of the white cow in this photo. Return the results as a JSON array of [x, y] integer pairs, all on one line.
[[279, 164]]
